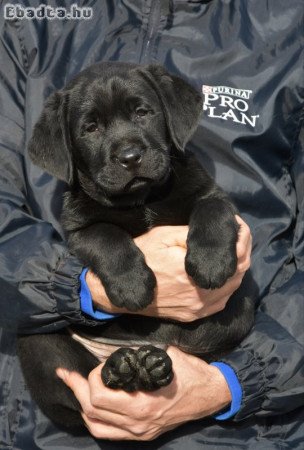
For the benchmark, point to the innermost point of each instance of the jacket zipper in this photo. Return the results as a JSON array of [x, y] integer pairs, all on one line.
[[157, 8]]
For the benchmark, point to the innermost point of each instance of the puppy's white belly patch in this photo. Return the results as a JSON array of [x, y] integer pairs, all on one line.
[[102, 348]]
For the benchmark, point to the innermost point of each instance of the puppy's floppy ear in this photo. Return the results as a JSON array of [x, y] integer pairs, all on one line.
[[49, 146], [181, 102]]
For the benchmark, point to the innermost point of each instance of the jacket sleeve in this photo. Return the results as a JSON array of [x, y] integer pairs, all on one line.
[[38, 277], [270, 361]]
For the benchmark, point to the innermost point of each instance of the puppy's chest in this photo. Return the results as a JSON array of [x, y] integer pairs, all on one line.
[[138, 220], [166, 213], [135, 220]]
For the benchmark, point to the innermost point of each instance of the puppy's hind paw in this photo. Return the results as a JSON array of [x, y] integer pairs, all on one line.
[[120, 370], [146, 369], [154, 367]]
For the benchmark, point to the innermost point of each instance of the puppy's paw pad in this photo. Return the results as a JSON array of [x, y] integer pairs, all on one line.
[[120, 370], [155, 367]]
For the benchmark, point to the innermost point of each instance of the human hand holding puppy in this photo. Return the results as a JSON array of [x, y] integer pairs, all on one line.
[[176, 296], [198, 390]]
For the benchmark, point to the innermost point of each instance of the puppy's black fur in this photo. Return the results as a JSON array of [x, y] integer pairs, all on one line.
[[116, 135]]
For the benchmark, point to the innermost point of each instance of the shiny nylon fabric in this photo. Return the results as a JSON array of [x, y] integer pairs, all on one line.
[[247, 45]]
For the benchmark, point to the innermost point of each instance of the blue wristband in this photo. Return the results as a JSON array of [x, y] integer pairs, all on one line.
[[86, 302], [235, 389]]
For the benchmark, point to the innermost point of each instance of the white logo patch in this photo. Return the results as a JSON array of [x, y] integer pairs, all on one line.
[[226, 103]]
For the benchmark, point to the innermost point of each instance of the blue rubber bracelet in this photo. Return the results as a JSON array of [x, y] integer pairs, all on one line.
[[235, 389], [86, 302]]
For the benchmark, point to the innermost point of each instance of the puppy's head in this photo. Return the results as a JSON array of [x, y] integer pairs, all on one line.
[[113, 130]]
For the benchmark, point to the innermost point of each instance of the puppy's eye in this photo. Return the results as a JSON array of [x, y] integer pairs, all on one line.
[[91, 127], [141, 112]]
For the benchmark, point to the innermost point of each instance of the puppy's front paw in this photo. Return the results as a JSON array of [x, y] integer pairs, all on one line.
[[210, 267], [133, 289]]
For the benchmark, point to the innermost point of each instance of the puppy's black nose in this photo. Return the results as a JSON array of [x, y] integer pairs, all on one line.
[[130, 158]]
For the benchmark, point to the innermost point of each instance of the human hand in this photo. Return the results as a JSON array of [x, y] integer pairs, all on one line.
[[177, 297], [198, 390]]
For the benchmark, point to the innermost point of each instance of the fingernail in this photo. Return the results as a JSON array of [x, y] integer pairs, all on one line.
[[62, 374]]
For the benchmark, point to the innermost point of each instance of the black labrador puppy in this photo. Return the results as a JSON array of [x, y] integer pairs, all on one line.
[[116, 134]]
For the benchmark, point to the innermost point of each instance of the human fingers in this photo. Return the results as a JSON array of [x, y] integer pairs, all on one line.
[[111, 432], [164, 236], [81, 389], [243, 246], [101, 424], [216, 300], [122, 415], [115, 401], [92, 393], [101, 416]]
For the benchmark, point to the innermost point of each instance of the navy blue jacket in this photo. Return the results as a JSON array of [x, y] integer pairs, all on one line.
[[247, 58]]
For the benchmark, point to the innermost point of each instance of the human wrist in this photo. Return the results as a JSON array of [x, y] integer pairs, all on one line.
[[97, 293], [210, 393], [220, 392], [235, 390]]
